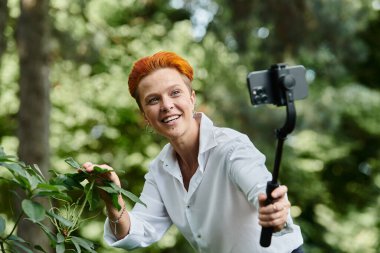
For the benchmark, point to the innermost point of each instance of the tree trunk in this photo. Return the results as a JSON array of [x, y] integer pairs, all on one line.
[[3, 24], [241, 11], [33, 129]]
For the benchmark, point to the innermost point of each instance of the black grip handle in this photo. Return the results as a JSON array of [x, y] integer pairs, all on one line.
[[266, 232]]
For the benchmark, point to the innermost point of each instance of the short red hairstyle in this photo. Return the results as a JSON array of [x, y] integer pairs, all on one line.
[[149, 64]]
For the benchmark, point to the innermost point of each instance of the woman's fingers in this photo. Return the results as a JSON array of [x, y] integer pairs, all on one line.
[[279, 191], [277, 194], [99, 179], [276, 213], [275, 218], [275, 207], [109, 175], [88, 166]]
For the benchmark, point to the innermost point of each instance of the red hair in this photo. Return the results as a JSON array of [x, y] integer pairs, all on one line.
[[149, 64]]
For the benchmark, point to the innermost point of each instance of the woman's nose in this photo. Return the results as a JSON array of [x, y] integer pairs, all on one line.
[[166, 105]]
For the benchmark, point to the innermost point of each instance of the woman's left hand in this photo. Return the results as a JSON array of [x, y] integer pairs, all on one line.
[[275, 214]]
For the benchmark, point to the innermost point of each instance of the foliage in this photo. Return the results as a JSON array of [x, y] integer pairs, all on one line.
[[331, 161], [66, 214]]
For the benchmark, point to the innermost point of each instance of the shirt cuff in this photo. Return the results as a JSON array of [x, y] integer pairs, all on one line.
[[136, 230], [288, 228]]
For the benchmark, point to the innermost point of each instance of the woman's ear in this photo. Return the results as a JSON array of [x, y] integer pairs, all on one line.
[[193, 98]]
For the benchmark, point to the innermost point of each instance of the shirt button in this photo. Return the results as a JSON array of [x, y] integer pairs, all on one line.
[[199, 236], [188, 206]]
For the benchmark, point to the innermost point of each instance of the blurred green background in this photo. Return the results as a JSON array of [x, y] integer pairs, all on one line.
[[330, 162]]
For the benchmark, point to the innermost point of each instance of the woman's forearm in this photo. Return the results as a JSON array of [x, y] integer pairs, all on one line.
[[118, 220]]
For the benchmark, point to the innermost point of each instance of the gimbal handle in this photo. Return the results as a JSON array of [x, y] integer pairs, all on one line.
[[286, 83]]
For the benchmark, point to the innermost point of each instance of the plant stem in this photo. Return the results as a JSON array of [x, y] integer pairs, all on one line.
[[2, 246], [82, 206], [15, 226]]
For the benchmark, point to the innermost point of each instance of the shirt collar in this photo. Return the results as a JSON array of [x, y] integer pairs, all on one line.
[[206, 142], [207, 135]]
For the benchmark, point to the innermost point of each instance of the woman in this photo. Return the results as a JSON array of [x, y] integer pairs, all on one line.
[[208, 181]]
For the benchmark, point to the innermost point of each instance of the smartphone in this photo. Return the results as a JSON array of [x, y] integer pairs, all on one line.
[[264, 86]]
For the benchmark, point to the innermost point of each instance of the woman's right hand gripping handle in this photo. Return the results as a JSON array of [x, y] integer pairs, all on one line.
[[118, 220]]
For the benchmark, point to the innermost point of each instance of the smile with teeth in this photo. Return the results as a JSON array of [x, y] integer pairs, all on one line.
[[170, 118]]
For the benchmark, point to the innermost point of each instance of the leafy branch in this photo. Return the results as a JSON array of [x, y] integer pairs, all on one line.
[[108, 186], [66, 216]]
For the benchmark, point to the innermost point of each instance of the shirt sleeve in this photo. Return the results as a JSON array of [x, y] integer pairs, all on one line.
[[249, 173], [148, 224], [247, 169], [289, 228]]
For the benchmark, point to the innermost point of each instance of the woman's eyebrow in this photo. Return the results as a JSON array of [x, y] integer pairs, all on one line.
[[157, 93]]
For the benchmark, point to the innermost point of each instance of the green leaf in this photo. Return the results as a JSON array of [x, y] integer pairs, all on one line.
[[22, 246], [51, 190], [70, 161], [33, 181], [115, 201], [35, 211], [94, 202], [79, 177], [114, 195], [70, 180], [108, 189], [59, 218], [88, 245], [2, 225], [20, 243], [38, 247], [60, 248], [35, 170], [14, 168], [99, 170], [127, 194], [50, 187], [6, 179], [21, 181], [77, 246], [89, 192], [56, 195], [51, 236], [92, 198], [7, 158], [16, 238], [60, 238]]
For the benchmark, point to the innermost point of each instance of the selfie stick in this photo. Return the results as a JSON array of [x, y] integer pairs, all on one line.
[[286, 83]]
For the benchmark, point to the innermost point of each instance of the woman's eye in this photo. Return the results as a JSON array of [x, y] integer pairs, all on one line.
[[176, 92], [152, 101]]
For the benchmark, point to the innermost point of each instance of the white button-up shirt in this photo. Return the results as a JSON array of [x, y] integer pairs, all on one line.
[[219, 212]]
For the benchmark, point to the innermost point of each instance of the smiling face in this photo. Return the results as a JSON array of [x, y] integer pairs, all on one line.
[[168, 104]]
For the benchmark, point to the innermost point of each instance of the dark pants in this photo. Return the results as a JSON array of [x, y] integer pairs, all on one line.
[[298, 250]]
